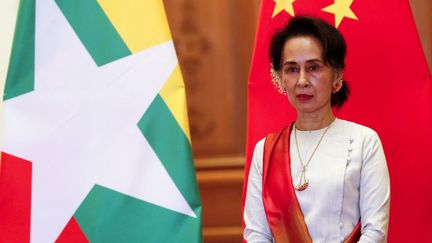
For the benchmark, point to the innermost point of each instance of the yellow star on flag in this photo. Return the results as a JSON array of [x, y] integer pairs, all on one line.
[[341, 9], [283, 5]]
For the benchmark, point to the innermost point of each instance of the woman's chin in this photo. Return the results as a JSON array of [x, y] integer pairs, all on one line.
[[304, 108], [310, 108]]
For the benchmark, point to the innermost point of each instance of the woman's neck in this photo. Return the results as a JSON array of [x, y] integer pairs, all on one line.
[[308, 122]]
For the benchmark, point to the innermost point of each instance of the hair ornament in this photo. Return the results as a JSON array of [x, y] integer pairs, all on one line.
[[276, 80]]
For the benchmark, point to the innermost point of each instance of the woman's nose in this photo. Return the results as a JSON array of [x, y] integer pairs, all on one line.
[[303, 81]]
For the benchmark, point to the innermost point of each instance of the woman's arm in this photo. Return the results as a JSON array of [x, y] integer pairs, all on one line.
[[257, 229], [374, 192]]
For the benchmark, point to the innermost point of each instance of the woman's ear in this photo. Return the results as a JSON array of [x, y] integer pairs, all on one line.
[[337, 86], [338, 82]]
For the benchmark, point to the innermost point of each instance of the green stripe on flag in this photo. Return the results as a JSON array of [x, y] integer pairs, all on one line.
[[20, 76], [172, 147], [109, 216], [94, 29]]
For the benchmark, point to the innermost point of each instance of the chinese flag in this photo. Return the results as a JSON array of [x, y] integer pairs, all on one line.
[[391, 92]]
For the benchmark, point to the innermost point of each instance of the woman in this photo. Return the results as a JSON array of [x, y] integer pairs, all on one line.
[[322, 179]]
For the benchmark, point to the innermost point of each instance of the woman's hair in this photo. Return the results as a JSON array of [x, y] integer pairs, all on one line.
[[331, 40]]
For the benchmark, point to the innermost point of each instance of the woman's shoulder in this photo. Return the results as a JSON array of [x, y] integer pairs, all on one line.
[[355, 129], [260, 144]]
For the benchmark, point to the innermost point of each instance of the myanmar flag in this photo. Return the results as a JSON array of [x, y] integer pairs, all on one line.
[[96, 144], [391, 92]]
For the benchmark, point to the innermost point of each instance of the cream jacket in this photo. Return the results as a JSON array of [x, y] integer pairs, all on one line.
[[348, 181]]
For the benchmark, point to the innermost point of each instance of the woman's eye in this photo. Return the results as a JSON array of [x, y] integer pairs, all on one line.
[[314, 68], [291, 70]]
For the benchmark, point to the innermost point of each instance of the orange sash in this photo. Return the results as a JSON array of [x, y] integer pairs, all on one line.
[[282, 208]]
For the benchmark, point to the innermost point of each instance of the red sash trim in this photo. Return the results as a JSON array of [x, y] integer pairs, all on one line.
[[283, 211]]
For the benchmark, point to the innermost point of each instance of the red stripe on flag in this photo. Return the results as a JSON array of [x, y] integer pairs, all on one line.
[[72, 233], [15, 199]]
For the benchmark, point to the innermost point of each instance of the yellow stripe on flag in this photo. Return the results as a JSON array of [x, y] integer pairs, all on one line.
[[145, 26], [173, 93]]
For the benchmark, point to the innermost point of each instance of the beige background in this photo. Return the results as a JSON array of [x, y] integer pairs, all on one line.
[[8, 11]]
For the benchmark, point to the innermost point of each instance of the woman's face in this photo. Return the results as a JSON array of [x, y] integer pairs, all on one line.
[[308, 81]]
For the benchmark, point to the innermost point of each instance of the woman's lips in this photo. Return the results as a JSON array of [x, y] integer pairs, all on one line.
[[304, 97]]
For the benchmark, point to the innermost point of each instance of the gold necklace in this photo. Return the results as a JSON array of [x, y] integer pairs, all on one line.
[[303, 182]]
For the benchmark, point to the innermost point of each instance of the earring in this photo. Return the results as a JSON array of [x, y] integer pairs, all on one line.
[[276, 80]]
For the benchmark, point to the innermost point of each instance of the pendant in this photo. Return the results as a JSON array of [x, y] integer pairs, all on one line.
[[302, 186]]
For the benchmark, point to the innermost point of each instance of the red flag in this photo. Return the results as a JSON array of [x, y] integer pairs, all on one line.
[[391, 92]]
